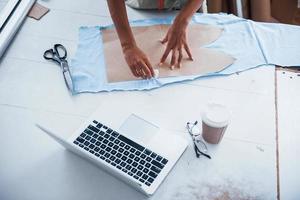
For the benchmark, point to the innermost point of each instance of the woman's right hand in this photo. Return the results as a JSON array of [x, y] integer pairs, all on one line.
[[138, 62]]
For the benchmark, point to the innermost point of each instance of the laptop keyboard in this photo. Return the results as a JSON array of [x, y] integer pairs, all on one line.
[[122, 153]]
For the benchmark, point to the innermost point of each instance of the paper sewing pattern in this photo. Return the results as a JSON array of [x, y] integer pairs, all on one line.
[[147, 38], [252, 44]]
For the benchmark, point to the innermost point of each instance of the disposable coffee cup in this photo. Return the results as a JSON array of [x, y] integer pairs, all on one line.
[[215, 121]]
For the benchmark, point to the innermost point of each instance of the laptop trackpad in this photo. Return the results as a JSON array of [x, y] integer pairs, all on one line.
[[139, 129]]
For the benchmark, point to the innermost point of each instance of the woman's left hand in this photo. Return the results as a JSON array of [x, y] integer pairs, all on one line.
[[176, 41]]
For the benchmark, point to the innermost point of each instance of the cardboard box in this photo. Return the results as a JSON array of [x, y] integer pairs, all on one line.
[[286, 11]]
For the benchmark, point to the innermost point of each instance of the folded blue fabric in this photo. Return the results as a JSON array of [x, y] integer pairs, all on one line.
[[252, 44]]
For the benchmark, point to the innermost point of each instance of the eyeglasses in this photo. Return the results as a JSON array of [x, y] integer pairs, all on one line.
[[199, 145]]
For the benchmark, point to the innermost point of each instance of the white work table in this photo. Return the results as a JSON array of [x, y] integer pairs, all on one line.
[[243, 165]]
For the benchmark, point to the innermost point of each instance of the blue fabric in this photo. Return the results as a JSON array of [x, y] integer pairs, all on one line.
[[252, 44]]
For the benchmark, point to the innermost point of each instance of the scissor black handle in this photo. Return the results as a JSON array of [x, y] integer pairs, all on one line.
[[59, 52]]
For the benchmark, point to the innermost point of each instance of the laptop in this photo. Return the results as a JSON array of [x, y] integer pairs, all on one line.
[[142, 159]]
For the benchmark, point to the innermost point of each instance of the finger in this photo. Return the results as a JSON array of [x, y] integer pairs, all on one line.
[[188, 51], [173, 59], [165, 55], [179, 57], [149, 67], [133, 70], [145, 70], [138, 70], [163, 41]]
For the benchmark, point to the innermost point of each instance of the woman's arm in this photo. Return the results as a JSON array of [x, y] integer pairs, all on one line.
[[176, 36], [135, 58]]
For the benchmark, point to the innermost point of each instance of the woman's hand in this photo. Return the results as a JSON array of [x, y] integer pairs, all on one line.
[[138, 62], [176, 41]]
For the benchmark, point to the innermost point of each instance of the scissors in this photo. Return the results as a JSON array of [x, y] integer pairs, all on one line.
[[59, 54]]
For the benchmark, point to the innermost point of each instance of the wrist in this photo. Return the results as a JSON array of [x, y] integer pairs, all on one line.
[[127, 45], [181, 21]]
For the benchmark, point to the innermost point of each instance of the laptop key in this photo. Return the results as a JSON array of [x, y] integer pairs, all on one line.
[[139, 173], [133, 170], [91, 151], [119, 155], [91, 146], [164, 161], [136, 159], [134, 164], [148, 159], [117, 141], [100, 138], [130, 173], [157, 164], [119, 167], [123, 164], [155, 169], [88, 137], [111, 138], [81, 145], [110, 144], [142, 162], [126, 153], [93, 140], [147, 165], [148, 184], [145, 170], [113, 164], [137, 153], [145, 177], [97, 154], [131, 156], [142, 180], [102, 157], [128, 167], [118, 161], [108, 149], [129, 161], [127, 147], [106, 155], [153, 155], [152, 174], [115, 134], [79, 139], [95, 122], [86, 143], [122, 144], [106, 136], [143, 156], [150, 180], [99, 125], [87, 149], [158, 158], [109, 131], [93, 128], [101, 133], [124, 158], [102, 152], [98, 143], [136, 177], [103, 146], [147, 152], [88, 132], [113, 152], [105, 141], [121, 150], [116, 147], [83, 135], [140, 167]]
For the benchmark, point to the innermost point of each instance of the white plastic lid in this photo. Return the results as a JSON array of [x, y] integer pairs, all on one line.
[[216, 115]]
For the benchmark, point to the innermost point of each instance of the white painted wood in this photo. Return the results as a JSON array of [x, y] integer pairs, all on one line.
[[289, 137]]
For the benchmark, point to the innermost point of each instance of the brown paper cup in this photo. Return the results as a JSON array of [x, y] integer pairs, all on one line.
[[214, 123], [211, 134]]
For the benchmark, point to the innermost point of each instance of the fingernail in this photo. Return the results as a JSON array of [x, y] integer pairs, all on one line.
[[160, 64], [172, 67]]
